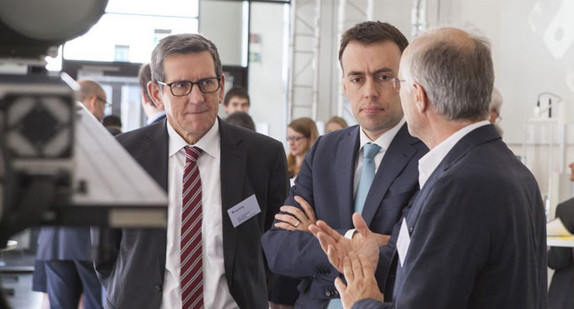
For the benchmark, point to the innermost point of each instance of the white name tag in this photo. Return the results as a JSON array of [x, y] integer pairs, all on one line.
[[244, 211], [403, 242]]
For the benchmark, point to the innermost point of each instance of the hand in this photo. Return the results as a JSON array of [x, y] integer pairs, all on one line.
[[338, 247], [361, 282], [295, 219]]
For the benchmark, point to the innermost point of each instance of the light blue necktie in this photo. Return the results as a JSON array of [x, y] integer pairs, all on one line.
[[367, 176]]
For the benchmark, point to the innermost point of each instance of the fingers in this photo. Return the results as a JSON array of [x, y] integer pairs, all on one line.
[[285, 226], [295, 212], [341, 287], [360, 224], [288, 219], [324, 240], [367, 267], [348, 269], [307, 208], [328, 230]]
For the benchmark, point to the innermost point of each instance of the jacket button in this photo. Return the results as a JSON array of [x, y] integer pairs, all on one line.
[[158, 288], [328, 293]]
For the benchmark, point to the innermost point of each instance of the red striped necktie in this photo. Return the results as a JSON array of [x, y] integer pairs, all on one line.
[[191, 274]]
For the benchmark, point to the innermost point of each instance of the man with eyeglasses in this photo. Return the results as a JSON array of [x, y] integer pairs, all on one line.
[[224, 185], [370, 168], [93, 97]]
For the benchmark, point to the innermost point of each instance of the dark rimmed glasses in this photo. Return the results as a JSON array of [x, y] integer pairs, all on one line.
[[184, 87]]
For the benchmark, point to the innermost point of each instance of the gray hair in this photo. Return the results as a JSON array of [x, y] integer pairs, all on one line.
[[456, 71], [496, 101], [181, 44]]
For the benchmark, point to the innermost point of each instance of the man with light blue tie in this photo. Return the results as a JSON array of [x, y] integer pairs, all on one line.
[[370, 168]]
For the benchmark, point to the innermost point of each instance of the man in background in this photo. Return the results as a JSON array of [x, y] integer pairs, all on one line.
[[236, 99], [154, 112], [93, 97], [66, 251]]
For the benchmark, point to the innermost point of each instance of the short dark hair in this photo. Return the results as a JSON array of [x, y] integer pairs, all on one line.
[[372, 32], [144, 76], [241, 119], [237, 91], [181, 44], [112, 120]]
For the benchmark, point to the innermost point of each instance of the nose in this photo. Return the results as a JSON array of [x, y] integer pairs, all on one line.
[[370, 89], [196, 96]]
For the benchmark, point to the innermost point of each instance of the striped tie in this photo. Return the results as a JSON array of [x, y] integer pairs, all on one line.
[[191, 275]]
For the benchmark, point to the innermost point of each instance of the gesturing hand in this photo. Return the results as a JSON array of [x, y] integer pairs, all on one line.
[[361, 282], [294, 219], [337, 247]]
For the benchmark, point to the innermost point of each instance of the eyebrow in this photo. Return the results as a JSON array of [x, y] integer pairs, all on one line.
[[381, 70]]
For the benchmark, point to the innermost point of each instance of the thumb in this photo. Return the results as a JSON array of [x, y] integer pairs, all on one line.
[[360, 224]]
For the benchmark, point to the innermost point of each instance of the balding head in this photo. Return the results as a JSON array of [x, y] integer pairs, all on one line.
[[455, 69], [93, 96]]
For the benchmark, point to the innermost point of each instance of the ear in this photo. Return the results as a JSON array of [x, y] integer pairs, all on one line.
[[421, 99], [221, 88], [153, 91]]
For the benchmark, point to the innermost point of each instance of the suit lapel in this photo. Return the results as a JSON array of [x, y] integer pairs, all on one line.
[[346, 162], [154, 161], [232, 184], [396, 158]]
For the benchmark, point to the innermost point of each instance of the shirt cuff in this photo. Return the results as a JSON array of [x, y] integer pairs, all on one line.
[[349, 234]]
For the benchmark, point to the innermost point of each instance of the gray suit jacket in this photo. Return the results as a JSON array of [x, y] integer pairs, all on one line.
[[326, 182], [250, 164], [477, 234]]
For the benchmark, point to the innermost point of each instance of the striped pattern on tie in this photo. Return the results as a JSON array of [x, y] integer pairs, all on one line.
[[191, 274]]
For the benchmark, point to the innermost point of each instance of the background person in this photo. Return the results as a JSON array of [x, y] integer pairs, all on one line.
[[154, 112], [301, 134], [335, 123], [236, 99]]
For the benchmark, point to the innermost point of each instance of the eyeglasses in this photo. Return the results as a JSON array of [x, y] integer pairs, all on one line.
[[295, 138], [397, 83], [107, 104], [184, 87]]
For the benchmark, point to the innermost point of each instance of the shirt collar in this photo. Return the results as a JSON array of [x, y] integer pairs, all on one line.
[[429, 162], [384, 140], [155, 117], [209, 143]]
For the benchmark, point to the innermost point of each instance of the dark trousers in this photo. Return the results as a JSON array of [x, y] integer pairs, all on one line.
[[67, 280]]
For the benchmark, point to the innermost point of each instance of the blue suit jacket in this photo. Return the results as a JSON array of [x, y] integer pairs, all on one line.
[[326, 182], [64, 243], [477, 234], [561, 259], [251, 163]]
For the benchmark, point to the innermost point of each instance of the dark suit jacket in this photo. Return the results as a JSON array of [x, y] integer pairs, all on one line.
[[326, 182], [477, 234], [561, 292], [251, 163]]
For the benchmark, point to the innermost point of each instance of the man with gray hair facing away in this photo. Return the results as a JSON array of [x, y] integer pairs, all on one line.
[[475, 236]]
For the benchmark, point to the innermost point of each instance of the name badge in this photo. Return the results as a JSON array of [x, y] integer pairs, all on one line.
[[244, 211], [403, 242]]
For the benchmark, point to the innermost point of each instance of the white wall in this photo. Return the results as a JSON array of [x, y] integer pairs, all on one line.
[[267, 74]]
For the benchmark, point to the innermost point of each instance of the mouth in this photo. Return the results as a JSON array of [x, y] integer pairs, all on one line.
[[372, 109]]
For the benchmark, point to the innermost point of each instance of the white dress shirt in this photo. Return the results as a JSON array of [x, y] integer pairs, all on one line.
[[155, 117], [215, 288], [384, 141], [429, 162]]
